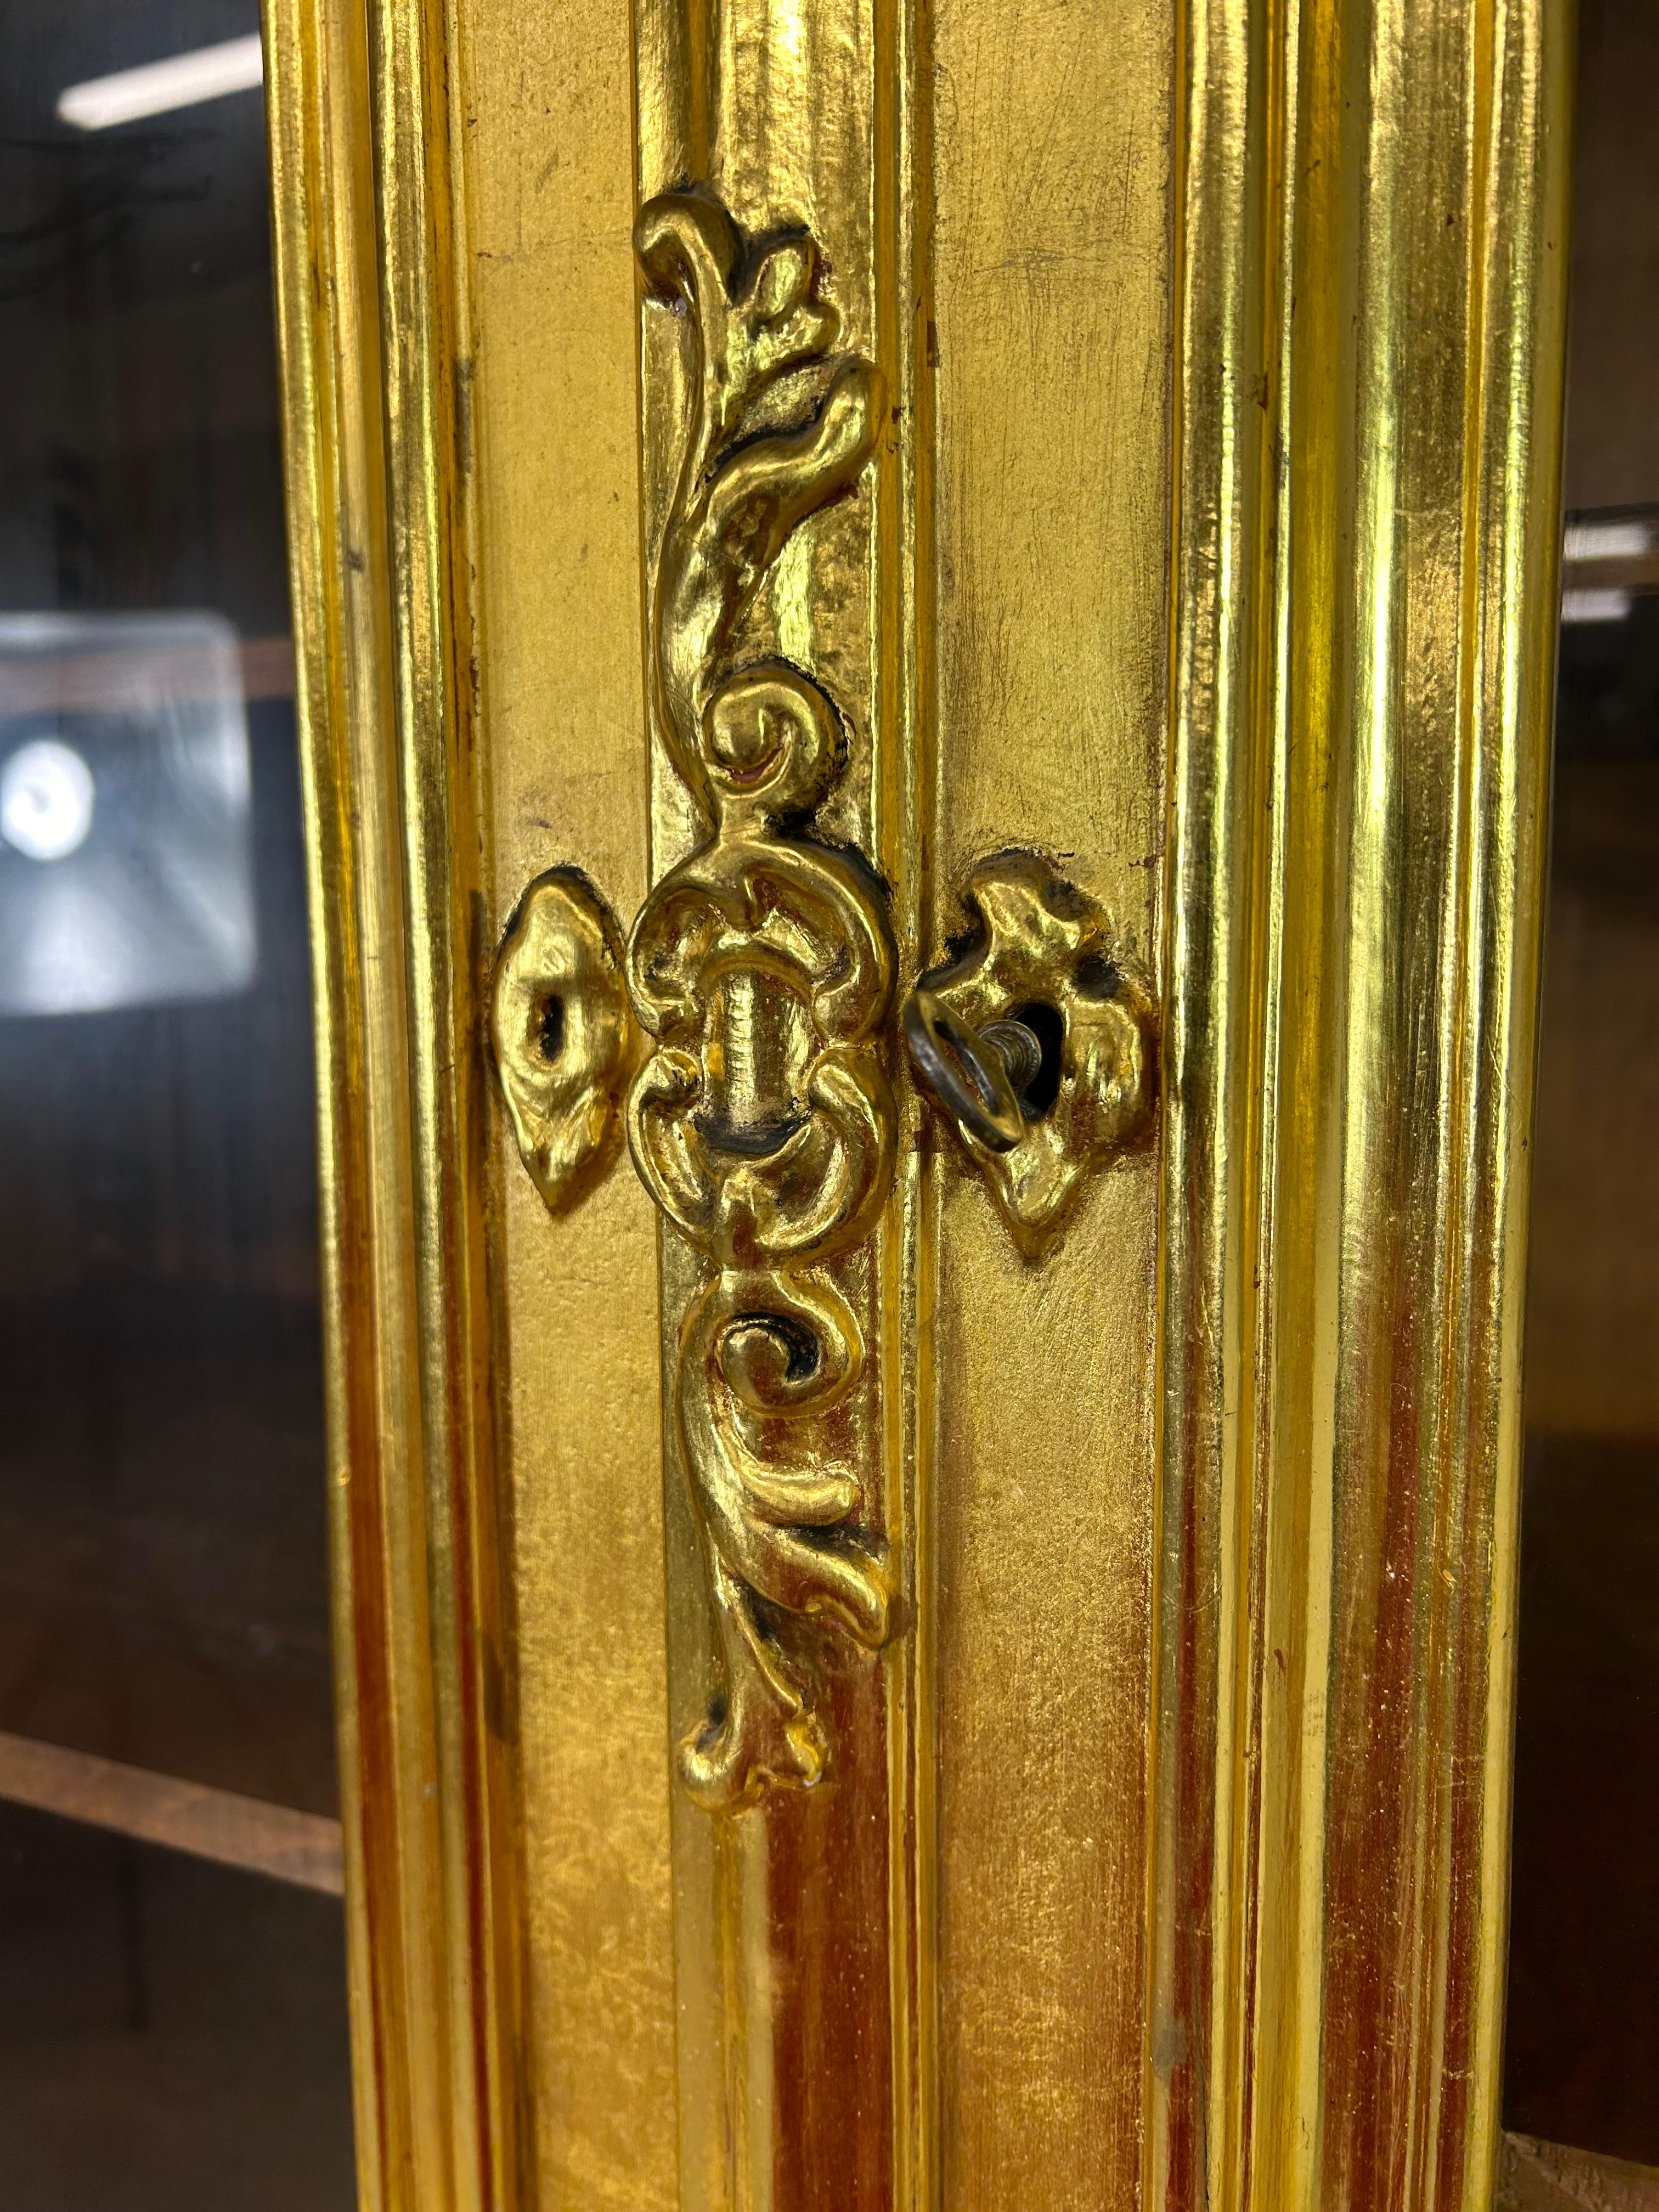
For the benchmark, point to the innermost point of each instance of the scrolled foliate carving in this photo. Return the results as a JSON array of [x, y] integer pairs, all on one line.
[[761, 967], [1042, 953]]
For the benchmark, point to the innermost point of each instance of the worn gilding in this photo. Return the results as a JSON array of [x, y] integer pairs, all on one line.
[[1168, 430], [1369, 335]]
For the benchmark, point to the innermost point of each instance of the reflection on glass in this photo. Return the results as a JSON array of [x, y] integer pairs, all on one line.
[[171, 1961], [157, 88], [1583, 2056], [125, 778], [46, 794]]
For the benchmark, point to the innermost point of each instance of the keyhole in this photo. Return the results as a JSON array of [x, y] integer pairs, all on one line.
[[1047, 1026], [549, 1038]]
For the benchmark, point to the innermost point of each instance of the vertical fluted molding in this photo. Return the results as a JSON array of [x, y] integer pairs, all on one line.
[[1369, 335]]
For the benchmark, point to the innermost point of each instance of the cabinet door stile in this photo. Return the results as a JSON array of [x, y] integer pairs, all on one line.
[[924, 635]]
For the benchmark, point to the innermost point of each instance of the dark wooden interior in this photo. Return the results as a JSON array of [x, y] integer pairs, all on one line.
[[172, 2032]]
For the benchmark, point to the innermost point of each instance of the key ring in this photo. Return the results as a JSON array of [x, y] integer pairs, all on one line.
[[976, 1074]]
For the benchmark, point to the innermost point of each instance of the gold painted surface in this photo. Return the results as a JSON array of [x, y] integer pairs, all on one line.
[[1158, 1855], [1367, 482], [795, 1919], [551, 421], [1044, 973], [563, 1034], [409, 1519], [763, 967], [497, 2049], [1050, 316]]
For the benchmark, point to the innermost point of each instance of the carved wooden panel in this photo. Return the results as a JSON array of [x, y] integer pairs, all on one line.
[[924, 636]]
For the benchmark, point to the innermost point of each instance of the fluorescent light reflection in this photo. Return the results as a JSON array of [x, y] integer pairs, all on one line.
[[1595, 607], [1607, 541], [183, 80]]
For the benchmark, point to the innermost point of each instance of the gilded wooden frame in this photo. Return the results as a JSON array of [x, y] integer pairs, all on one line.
[[1208, 548]]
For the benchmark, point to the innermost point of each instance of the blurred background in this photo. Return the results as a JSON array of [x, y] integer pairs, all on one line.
[[1583, 2009], [172, 1967]]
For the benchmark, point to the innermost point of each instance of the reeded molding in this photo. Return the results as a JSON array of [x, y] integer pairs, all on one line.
[[1371, 328], [369, 320]]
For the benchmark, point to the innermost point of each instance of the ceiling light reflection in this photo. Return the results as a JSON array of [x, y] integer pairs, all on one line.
[[136, 789], [1607, 541], [181, 81], [1599, 606], [46, 800]]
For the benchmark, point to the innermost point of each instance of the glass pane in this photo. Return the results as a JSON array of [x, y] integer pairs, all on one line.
[[172, 1974], [161, 2040], [1583, 2015]]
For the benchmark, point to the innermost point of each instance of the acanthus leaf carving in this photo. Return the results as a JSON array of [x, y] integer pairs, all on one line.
[[762, 969]]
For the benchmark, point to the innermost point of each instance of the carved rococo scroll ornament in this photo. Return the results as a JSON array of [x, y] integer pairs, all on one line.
[[760, 971], [1042, 968], [762, 968]]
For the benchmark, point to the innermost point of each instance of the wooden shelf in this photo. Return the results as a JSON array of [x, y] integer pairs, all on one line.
[[1540, 2177], [185, 1816]]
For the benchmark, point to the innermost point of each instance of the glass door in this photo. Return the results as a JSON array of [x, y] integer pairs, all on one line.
[[172, 2018], [1582, 2057]]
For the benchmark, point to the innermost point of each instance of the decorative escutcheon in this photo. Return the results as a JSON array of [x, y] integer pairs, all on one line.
[[565, 1040], [763, 967], [749, 1022], [1036, 1042], [761, 970]]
